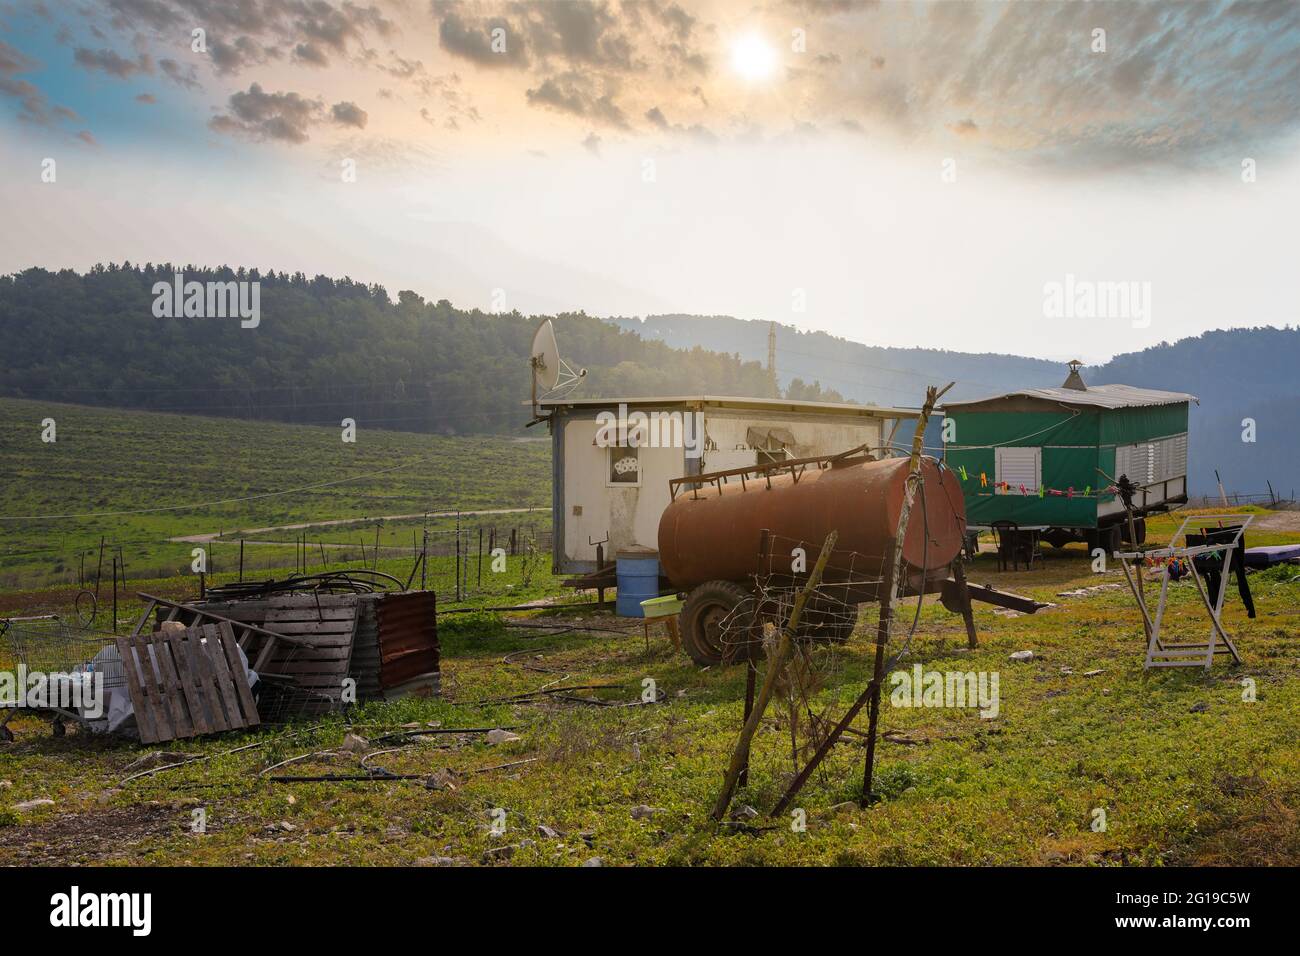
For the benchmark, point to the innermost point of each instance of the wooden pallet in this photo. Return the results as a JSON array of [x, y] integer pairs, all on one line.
[[257, 642], [186, 683], [329, 621]]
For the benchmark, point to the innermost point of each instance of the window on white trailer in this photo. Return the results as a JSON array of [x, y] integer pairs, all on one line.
[[1019, 467], [624, 467]]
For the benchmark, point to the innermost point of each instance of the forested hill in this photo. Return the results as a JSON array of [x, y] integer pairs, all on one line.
[[325, 349], [874, 375]]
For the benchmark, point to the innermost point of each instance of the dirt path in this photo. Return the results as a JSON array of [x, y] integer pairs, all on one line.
[[213, 535], [1277, 521]]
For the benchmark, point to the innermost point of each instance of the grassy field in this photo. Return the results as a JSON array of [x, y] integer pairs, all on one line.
[[1184, 769], [138, 479]]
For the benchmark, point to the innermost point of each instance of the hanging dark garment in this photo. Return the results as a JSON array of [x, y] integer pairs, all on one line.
[[1210, 564]]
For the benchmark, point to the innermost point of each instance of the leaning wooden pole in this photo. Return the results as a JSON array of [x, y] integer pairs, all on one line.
[[892, 569], [895, 575], [740, 756]]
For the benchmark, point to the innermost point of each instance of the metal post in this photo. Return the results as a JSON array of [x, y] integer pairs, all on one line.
[[241, 559], [480, 557], [99, 568], [600, 566], [115, 594]]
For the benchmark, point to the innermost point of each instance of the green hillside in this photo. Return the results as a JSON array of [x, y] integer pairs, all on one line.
[[139, 478]]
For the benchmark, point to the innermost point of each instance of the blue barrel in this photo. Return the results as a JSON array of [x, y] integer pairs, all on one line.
[[638, 579]]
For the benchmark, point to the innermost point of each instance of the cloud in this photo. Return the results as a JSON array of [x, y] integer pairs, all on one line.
[[283, 117], [87, 137], [259, 115], [185, 77], [582, 33], [33, 106], [475, 41], [231, 58], [592, 144], [112, 63], [579, 95], [146, 98], [310, 54], [129, 14], [14, 61], [349, 114], [695, 131]]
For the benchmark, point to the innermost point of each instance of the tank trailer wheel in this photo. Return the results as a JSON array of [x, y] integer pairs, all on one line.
[[828, 621], [715, 618]]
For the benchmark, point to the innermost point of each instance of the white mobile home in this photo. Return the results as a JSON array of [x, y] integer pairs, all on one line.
[[613, 492]]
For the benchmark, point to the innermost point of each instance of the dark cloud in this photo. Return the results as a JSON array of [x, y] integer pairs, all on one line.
[[655, 116], [578, 94], [582, 33], [349, 114], [230, 58], [132, 14], [259, 115], [33, 106], [1181, 83], [112, 63], [246, 33], [284, 117], [14, 61], [310, 54], [474, 41], [678, 20], [181, 76]]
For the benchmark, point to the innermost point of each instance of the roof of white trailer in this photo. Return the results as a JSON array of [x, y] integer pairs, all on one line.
[[736, 401], [1098, 396]]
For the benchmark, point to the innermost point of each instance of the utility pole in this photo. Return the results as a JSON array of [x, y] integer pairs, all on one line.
[[771, 359]]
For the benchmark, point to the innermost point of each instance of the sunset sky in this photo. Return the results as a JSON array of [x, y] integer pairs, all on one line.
[[708, 157]]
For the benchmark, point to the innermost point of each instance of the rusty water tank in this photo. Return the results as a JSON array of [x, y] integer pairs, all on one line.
[[712, 535]]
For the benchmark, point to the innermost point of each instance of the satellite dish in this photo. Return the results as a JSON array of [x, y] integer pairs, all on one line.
[[551, 374]]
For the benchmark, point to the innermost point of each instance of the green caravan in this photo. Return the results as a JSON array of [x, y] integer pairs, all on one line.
[[1044, 458]]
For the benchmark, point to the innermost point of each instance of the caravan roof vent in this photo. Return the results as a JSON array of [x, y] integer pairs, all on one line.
[[1074, 380]]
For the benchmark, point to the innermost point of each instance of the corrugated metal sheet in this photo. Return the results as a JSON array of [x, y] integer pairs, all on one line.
[[1097, 396], [408, 639], [394, 645], [365, 649]]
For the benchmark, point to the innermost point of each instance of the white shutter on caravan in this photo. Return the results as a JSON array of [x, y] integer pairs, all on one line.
[[1178, 467], [1137, 462], [1019, 466]]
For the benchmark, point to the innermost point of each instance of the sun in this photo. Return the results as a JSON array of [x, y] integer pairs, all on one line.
[[752, 58]]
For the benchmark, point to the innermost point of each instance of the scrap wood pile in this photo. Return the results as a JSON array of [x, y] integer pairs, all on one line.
[[316, 650], [245, 655]]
